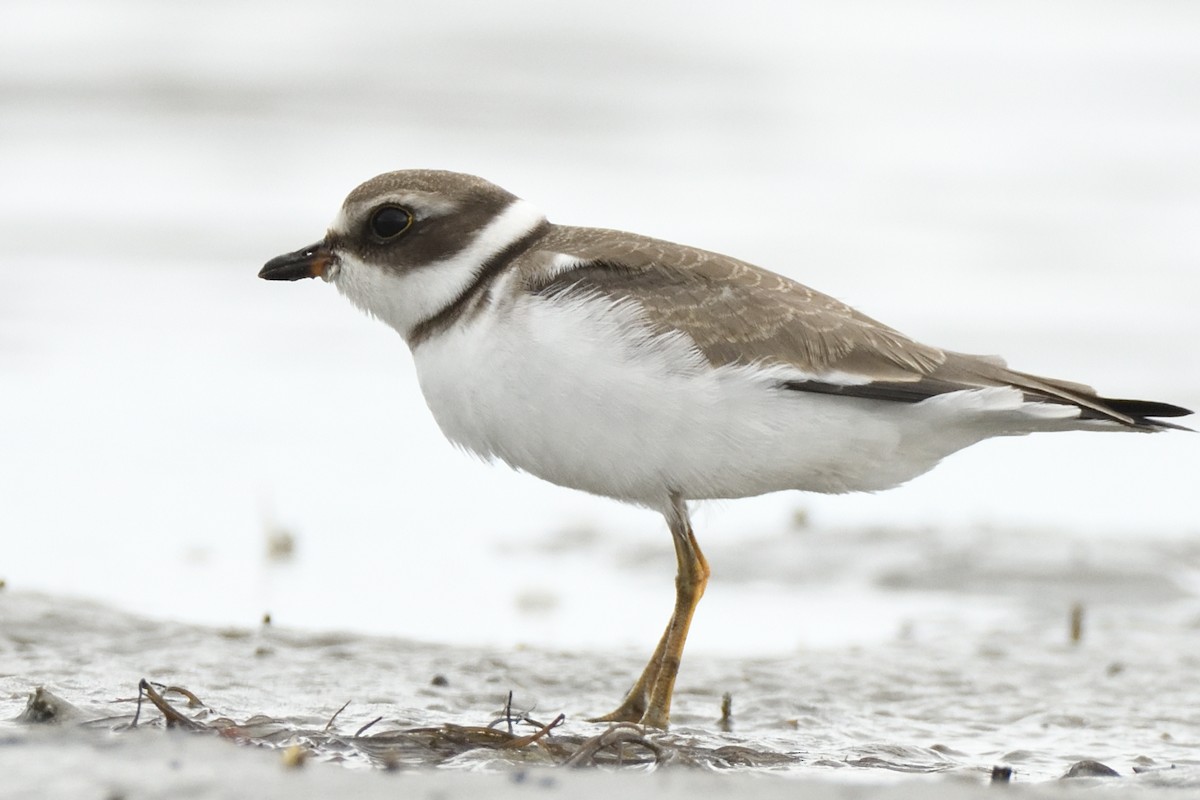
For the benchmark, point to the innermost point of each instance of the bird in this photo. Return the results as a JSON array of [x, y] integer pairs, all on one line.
[[659, 374]]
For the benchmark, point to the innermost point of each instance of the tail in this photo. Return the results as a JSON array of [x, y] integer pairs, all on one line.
[[1137, 414], [961, 372]]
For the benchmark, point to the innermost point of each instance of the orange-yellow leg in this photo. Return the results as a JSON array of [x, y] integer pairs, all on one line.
[[649, 701]]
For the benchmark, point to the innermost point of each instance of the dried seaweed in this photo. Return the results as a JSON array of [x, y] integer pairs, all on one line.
[[513, 739]]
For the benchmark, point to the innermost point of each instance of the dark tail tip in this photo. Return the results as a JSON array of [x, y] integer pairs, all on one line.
[[1144, 412]]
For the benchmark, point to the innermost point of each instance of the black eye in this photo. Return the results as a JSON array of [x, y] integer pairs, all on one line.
[[390, 221]]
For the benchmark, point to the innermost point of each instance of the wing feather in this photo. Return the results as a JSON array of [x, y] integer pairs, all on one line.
[[737, 313], [733, 311]]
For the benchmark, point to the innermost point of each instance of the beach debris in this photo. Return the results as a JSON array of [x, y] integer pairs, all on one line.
[[1076, 625], [617, 739], [294, 756], [726, 721], [508, 718], [173, 718], [329, 725], [45, 707], [1090, 769], [280, 544], [364, 728], [514, 739]]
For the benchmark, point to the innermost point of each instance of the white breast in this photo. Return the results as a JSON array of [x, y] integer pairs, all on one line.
[[580, 393]]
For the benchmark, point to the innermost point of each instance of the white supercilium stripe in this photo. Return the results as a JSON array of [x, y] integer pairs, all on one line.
[[403, 299]]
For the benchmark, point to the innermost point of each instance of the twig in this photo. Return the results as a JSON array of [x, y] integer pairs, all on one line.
[[522, 741], [361, 730], [173, 717], [329, 724], [613, 737]]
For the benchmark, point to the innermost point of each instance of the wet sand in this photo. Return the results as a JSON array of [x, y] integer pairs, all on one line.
[[956, 692]]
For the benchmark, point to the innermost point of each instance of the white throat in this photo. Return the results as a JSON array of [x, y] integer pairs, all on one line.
[[404, 299]]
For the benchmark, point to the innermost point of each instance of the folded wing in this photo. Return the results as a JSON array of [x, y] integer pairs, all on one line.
[[738, 313]]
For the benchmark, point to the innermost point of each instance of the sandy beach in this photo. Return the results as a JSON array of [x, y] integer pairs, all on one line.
[[996, 679]]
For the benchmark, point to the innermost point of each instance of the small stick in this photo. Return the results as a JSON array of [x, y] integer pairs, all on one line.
[[193, 700], [726, 720], [360, 731], [329, 724], [172, 716], [522, 741], [1076, 623]]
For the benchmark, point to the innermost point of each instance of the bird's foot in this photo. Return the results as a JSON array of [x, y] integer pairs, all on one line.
[[637, 709], [631, 710]]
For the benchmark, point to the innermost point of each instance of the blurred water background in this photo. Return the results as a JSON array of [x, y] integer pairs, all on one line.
[[1018, 178]]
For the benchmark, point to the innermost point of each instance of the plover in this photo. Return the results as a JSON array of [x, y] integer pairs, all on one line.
[[656, 373]]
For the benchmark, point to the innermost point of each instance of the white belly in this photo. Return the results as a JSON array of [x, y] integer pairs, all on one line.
[[564, 392]]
